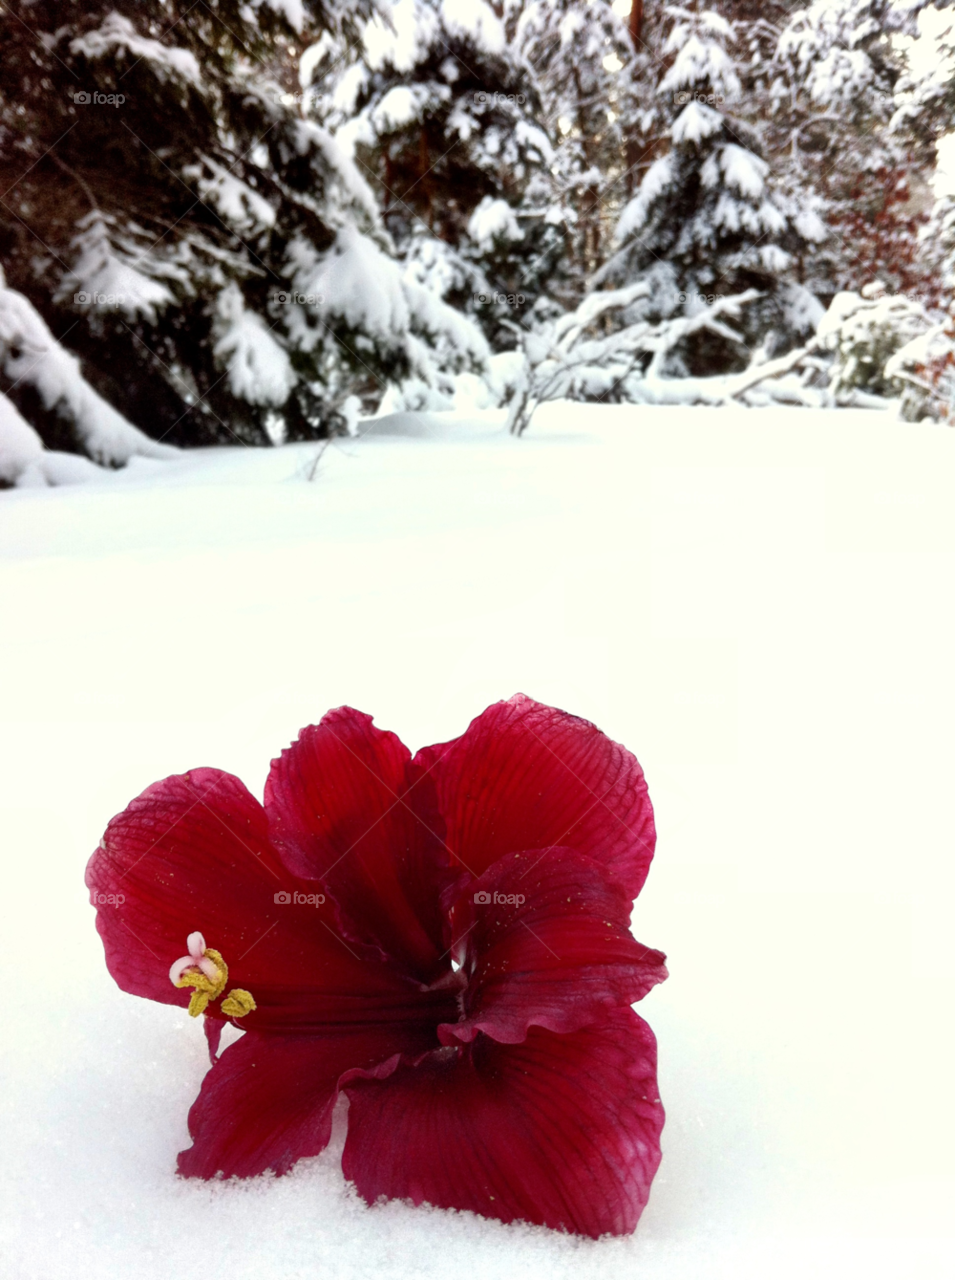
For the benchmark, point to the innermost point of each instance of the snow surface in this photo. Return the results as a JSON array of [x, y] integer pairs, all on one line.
[[758, 603]]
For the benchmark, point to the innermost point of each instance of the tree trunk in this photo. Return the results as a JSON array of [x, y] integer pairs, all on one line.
[[636, 23]]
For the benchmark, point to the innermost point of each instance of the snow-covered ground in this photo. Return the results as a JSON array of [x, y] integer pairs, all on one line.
[[758, 603]]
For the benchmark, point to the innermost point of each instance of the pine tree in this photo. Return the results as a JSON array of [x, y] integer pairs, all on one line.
[[581, 52], [443, 118], [216, 262], [832, 122], [708, 221]]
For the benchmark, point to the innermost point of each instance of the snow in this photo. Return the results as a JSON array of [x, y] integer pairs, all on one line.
[[658, 178], [400, 106], [354, 188], [756, 602], [398, 33], [358, 283], [696, 122], [117, 35], [30, 354], [239, 204], [943, 177], [104, 280], [293, 11], [259, 368], [493, 219], [701, 61], [477, 20], [20, 446], [743, 171]]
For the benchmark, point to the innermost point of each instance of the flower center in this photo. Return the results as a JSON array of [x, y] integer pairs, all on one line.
[[205, 970]]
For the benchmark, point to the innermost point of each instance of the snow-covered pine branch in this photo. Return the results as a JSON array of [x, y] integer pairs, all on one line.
[[441, 114], [190, 235], [31, 360]]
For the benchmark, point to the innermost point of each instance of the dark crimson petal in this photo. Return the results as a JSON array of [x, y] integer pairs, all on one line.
[[527, 776], [546, 943], [192, 854], [346, 807], [268, 1100], [213, 1029], [562, 1130]]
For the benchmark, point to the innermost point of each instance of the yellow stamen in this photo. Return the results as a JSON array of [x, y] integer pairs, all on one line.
[[238, 1003], [205, 988]]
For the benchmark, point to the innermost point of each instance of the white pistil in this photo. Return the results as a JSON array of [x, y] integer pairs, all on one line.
[[196, 959]]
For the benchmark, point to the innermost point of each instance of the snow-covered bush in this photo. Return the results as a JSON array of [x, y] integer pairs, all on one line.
[[582, 356], [214, 259], [863, 331], [925, 370]]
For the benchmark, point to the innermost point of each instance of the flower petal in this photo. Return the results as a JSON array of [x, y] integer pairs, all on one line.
[[546, 943], [213, 1029], [527, 776], [268, 1100], [562, 1130], [192, 851], [347, 807]]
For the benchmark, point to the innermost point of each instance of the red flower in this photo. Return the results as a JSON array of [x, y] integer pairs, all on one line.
[[445, 938]]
